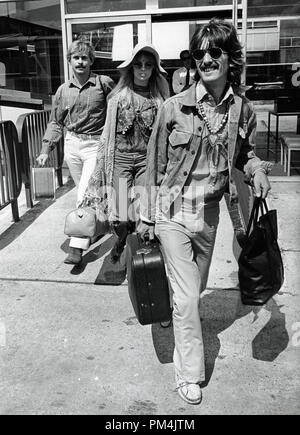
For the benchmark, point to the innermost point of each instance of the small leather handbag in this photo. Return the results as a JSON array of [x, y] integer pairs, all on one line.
[[261, 271], [81, 222]]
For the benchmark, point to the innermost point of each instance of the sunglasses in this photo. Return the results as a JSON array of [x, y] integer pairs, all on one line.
[[214, 52]]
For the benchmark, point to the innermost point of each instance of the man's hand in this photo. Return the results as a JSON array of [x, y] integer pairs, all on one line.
[[145, 231], [261, 184], [41, 159]]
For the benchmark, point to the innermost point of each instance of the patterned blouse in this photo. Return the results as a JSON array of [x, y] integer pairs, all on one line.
[[135, 121]]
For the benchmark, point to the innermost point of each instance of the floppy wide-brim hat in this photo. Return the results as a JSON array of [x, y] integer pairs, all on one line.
[[149, 48]]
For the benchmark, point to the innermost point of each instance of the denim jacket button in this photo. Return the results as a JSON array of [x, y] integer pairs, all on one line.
[[200, 128], [185, 173], [193, 152]]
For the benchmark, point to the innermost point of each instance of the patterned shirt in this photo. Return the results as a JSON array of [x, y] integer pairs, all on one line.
[[135, 122], [81, 110]]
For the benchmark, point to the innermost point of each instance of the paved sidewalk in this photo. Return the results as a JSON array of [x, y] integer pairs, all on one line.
[[70, 346]]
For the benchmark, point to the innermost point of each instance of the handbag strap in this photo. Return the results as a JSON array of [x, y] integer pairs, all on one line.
[[259, 204], [263, 205], [254, 215]]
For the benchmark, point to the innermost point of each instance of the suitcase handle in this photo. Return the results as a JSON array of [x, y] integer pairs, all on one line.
[[144, 251]]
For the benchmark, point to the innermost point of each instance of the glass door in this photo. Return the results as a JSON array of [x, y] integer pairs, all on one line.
[[172, 32], [112, 37]]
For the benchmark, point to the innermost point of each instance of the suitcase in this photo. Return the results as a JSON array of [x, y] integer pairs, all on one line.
[[43, 183], [147, 281]]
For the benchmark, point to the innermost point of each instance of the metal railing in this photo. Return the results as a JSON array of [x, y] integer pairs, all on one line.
[[10, 168], [31, 128], [19, 147]]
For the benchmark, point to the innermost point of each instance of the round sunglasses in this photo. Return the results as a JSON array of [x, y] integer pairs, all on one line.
[[214, 52]]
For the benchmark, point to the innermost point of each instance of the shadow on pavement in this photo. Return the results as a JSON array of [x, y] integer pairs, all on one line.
[[163, 342], [273, 338], [92, 255], [111, 273], [267, 345], [17, 228]]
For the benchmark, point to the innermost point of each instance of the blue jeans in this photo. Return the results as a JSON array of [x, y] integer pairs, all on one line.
[[128, 174]]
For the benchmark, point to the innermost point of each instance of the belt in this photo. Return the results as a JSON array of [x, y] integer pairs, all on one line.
[[85, 136]]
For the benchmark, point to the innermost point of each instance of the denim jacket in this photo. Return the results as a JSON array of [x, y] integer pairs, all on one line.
[[173, 144]]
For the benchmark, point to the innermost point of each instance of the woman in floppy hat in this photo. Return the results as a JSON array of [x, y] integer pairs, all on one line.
[[131, 112]]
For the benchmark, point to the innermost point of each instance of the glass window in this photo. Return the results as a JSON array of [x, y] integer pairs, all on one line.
[[272, 50], [79, 6], [113, 42], [271, 8], [191, 3], [273, 73], [31, 47]]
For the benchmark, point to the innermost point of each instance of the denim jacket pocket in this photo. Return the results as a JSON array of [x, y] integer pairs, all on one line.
[[179, 143], [179, 138]]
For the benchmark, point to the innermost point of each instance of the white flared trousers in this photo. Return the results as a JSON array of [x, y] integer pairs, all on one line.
[[80, 156], [188, 258]]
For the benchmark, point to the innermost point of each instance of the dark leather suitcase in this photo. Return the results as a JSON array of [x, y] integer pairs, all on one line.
[[147, 281]]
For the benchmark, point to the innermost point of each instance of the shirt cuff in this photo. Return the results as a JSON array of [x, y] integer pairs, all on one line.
[[262, 166], [47, 147]]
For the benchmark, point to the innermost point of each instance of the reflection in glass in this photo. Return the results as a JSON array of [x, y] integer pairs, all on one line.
[[79, 6], [191, 3], [113, 42], [31, 48]]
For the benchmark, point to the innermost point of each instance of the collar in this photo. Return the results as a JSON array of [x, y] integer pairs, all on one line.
[[191, 96], [188, 97], [201, 93], [91, 79]]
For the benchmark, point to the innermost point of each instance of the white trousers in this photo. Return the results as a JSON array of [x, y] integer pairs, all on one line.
[[188, 258], [80, 156]]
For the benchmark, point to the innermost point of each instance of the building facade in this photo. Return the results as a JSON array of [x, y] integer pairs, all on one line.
[[34, 35]]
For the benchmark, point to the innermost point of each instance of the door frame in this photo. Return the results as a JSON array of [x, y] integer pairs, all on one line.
[[68, 20]]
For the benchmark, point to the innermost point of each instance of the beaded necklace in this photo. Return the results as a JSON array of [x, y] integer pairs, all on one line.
[[216, 145], [219, 127]]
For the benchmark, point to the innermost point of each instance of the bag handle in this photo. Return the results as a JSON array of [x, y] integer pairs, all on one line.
[[259, 204], [254, 215]]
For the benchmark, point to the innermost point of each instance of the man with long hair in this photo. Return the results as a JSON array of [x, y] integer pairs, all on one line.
[[200, 136]]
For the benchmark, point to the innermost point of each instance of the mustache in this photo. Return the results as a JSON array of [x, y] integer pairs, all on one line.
[[208, 64]]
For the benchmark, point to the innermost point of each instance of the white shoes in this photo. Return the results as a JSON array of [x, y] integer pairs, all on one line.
[[190, 393]]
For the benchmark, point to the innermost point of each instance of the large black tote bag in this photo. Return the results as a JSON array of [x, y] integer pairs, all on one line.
[[261, 270]]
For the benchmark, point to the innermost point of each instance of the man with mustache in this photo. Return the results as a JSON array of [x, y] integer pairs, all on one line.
[[79, 106], [200, 135]]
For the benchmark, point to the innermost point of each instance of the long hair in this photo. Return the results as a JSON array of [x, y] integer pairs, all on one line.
[[220, 33], [158, 84]]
